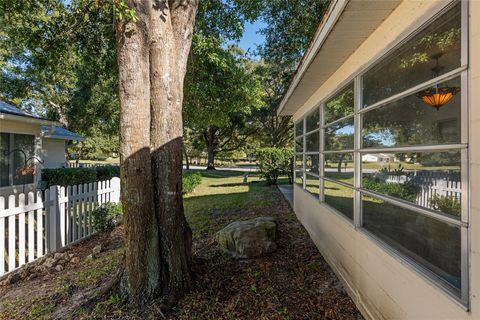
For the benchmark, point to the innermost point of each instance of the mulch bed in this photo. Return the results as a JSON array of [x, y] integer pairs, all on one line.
[[295, 282]]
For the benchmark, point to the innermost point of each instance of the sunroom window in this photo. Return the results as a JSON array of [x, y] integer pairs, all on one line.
[[393, 152]]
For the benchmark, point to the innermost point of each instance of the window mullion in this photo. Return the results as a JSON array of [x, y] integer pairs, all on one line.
[[10, 159], [321, 159], [357, 157]]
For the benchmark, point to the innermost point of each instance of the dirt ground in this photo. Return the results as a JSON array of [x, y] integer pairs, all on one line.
[[295, 282]]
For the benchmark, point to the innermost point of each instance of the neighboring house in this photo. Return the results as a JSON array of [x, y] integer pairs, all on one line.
[[42, 142], [405, 76], [378, 157]]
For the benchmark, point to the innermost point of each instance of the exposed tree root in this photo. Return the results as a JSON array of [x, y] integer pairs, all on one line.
[[87, 297]]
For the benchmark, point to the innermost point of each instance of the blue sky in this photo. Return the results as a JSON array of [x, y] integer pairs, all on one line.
[[251, 37]]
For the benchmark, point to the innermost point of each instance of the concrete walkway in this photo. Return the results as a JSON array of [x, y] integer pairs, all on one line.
[[241, 169], [287, 191]]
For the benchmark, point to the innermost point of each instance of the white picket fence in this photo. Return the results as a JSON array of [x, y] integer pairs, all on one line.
[[88, 165], [33, 225], [431, 184]]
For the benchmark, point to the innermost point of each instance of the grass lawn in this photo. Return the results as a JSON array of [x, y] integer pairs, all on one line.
[[292, 283]]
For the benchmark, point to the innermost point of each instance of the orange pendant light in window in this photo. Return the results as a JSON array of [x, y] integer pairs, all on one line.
[[437, 97]]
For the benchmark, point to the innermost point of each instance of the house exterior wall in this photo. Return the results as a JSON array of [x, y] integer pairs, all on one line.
[[380, 283], [53, 153]]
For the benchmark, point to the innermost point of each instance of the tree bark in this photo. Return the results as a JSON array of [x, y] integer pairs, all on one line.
[[141, 280], [171, 35], [211, 157]]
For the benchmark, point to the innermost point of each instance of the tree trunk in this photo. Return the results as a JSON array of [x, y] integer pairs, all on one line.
[[211, 158], [141, 279], [340, 161], [171, 36], [152, 58]]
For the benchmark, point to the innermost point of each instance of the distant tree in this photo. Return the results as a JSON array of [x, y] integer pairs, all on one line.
[[220, 93], [59, 61], [291, 25]]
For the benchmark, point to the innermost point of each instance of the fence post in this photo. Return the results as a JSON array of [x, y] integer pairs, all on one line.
[[52, 220], [115, 185]]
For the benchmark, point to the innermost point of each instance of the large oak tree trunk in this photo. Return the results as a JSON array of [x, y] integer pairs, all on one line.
[[171, 36], [142, 260], [152, 58]]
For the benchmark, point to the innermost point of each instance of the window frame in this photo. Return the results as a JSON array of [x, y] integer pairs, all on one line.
[[461, 296], [11, 146]]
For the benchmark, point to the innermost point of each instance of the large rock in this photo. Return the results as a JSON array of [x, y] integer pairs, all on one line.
[[249, 239]]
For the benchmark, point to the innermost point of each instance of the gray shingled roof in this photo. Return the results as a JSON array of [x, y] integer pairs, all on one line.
[[52, 131], [59, 133], [8, 108]]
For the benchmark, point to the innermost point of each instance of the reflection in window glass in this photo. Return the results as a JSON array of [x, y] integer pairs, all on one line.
[[311, 163], [299, 145], [339, 136], [432, 52], [431, 243], [410, 121], [299, 162], [341, 105], [4, 163], [299, 128], [313, 120], [299, 178], [339, 197], [428, 179], [25, 143], [312, 185], [312, 142], [339, 166]]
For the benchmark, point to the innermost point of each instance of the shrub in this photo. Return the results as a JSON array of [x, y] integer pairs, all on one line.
[[74, 176], [446, 204], [105, 216], [68, 176], [190, 181], [107, 172], [404, 191], [274, 162]]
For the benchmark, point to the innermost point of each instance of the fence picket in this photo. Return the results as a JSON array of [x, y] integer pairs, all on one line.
[[11, 235], [40, 241], [21, 231], [31, 229], [2, 240]]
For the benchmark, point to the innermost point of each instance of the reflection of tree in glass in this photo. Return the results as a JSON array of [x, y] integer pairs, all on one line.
[[442, 42], [340, 106]]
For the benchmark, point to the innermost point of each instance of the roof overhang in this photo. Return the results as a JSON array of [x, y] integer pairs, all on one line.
[[57, 132], [25, 119], [345, 26]]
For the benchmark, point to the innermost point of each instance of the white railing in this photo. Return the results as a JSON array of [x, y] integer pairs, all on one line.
[[32, 225]]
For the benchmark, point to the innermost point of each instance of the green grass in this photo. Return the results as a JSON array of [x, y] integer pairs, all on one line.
[[223, 194]]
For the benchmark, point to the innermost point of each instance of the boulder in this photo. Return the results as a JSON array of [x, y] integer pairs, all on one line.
[[249, 239], [97, 249]]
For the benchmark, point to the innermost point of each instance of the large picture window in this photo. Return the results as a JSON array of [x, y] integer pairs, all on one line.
[[392, 153], [14, 150]]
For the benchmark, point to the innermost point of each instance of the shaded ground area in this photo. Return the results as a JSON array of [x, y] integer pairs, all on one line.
[[292, 283]]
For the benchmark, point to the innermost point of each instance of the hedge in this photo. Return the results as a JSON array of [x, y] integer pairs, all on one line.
[[75, 176], [405, 191]]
